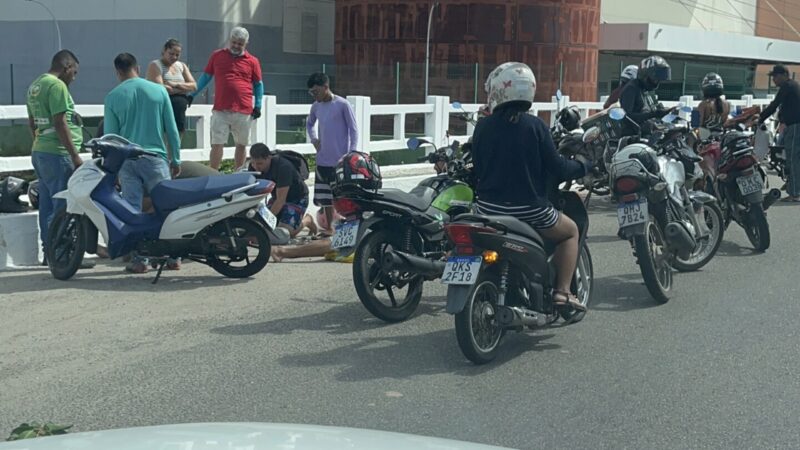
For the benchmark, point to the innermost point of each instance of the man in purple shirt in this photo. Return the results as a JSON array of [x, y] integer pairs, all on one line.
[[337, 136]]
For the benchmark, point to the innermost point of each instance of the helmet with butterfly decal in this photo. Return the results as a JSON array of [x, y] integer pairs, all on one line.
[[510, 82]]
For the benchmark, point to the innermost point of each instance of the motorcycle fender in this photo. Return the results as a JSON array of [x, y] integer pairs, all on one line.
[[755, 198], [701, 197], [73, 207], [628, 233], [90, 231], [456, 298]]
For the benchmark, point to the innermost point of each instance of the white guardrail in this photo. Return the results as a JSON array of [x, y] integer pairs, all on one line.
[[437, 111]]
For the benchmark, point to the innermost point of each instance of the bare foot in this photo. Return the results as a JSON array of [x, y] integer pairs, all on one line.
[[277, 254]]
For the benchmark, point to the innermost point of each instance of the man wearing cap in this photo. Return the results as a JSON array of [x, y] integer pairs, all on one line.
[[788, 99]]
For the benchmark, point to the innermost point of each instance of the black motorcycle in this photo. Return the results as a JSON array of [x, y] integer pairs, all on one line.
[[380, 221], [501, 276]]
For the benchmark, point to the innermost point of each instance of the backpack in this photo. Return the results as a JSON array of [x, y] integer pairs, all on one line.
[[298, 161]]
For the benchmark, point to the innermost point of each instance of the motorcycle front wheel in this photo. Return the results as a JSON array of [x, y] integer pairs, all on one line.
[[653, 260], [247, 257], [707, 248], [477, 329], [66, 246], [757, 228], [389, 296]]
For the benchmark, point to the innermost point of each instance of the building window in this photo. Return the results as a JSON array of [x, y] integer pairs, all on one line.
[[309, 26]]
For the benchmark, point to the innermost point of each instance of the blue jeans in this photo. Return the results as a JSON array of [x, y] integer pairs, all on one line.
[[791, 142], [140, 176], [53, 172]]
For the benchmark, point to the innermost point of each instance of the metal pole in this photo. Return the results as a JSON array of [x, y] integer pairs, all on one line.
[[397, 83], [11, 66], [560, 74], [683, 86], [428, 47], [475, 99], [323, 68], [58, 29]]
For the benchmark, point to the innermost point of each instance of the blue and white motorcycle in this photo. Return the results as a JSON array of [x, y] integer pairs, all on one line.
[[220, 221]]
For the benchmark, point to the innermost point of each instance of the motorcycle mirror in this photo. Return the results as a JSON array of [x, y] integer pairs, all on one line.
[[616, 113], [413, 143], [457, 105], [559, 96], [705, 133], [449, 152], [591, 135]]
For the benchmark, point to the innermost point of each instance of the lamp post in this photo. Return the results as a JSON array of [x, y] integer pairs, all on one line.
[[428, 47], [55, 21]]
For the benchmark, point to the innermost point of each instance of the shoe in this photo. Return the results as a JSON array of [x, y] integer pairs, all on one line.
[[173, 264], [136, 267]]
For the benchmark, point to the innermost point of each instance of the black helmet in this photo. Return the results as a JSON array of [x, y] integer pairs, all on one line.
[[569, 118], [712, 85], [33, 194], [10, 190], [653, 70]]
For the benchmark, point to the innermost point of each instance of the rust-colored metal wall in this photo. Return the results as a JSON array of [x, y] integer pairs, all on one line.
[[782, 24], [557, 38]]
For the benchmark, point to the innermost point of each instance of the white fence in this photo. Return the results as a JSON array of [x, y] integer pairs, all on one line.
[[437, 111]]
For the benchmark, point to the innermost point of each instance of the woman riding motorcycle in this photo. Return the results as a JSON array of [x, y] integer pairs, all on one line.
[[515, 161], [713, 109]]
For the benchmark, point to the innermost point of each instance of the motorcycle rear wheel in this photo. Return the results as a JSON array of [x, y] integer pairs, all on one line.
[[369, 279], [250, 236], [477, 329], [653, 261], [757, 228], [582, 283], [66, 246]]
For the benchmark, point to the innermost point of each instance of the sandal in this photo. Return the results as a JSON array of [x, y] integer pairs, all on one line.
[[136, 267], [562, 298]]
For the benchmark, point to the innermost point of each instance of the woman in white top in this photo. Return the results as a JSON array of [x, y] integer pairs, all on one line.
[[176, 77]]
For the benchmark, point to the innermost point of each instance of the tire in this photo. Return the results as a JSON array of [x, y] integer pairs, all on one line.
[[706, 250], [369, 279], [757, 228], [66, 246], [582, 283], [653, 262], [245, 231], [483, 348]]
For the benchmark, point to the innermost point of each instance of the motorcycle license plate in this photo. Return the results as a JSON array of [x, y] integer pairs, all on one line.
[[267, 215], [461, 270], [345, 235], [750, 184], [632, 213]]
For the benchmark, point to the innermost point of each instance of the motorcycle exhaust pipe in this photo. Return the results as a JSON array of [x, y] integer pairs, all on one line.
[[404, 262], [772, 196], [513, 316], [678, 236]]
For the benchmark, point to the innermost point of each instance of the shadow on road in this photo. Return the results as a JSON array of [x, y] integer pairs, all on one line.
[[603, 239], [728, 248], [111, 277], [621, 293]]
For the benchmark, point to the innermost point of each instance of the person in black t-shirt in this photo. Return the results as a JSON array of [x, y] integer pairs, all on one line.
[[788, 99], [289, 199]]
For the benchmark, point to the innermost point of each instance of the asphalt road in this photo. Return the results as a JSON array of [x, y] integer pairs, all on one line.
[[716, 367]]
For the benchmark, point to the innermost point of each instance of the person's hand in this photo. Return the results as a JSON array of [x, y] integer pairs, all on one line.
[[76, 160], [189, 100], [256, 112], [175, 170]]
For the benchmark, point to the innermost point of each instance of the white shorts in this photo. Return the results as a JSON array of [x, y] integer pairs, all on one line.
[[225, 122]]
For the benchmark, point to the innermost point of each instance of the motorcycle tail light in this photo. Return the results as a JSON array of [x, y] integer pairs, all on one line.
[[346, 207], [745, 162], [627, 185], [461, 234]]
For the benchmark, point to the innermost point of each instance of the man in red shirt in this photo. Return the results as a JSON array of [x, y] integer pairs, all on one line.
[[237, 79]]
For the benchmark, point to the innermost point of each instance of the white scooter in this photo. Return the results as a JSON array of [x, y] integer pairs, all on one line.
[[220, 221]]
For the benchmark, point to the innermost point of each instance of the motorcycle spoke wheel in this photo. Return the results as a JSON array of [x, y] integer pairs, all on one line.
[[654, 261], [706, 247]]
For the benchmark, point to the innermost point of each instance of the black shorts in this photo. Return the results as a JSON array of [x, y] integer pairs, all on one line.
[[324, 178], [179, 105]]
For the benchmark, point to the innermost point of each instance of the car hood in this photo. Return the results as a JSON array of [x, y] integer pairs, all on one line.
[[240, 436]]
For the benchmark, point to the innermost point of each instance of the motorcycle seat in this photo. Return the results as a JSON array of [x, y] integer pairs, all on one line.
[[173, 194], [420, 198], [512, 224]]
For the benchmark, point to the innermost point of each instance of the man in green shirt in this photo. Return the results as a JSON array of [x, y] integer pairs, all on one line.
[[141, 112], [56, 138]]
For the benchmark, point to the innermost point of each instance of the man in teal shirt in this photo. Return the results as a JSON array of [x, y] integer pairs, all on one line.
[[140, 111], [56, 138]]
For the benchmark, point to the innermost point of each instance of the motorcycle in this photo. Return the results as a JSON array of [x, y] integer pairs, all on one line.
[[193, 218], [667, 224], [739, 184], [398, 237], [500, 276]]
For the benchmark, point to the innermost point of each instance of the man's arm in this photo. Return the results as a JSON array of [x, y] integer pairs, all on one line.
[[32, 126], [773, 106], [310, 122], [280, 200], [173, 137], [628, 102], [65, 137], [352, 127]]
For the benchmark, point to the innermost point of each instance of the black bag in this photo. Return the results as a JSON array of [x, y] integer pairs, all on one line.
[[298, 161]]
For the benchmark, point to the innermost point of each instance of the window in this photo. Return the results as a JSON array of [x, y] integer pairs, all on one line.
[[309, 25]]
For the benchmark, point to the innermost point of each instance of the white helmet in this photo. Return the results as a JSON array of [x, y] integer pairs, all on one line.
[[510, 82], [629, 73]]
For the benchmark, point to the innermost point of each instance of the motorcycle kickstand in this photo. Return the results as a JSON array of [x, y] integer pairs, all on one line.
[[161, 265]]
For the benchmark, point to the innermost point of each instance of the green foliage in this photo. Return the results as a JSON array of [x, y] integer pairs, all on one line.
[[35, 429]]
